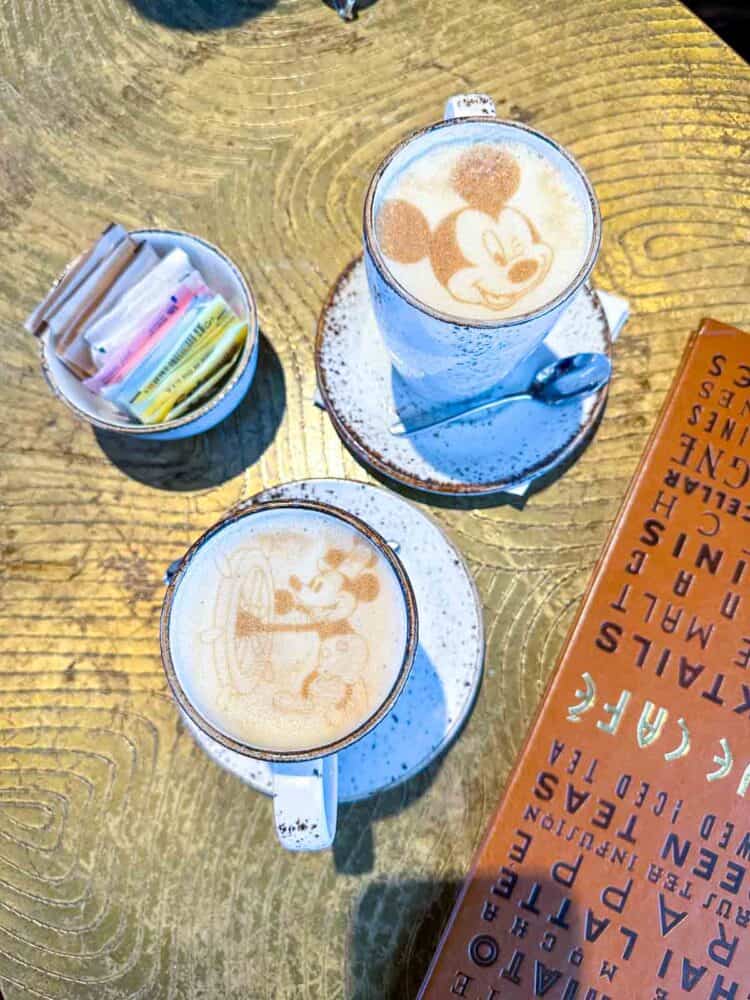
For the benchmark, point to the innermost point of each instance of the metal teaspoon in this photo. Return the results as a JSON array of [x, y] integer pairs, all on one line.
[[563, 380]]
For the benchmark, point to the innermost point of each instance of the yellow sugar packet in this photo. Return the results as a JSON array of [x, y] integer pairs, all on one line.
[[212, 347], [203, 344], [191, 374], [190, 384], [213, 318], [204, 389], [183, 376]]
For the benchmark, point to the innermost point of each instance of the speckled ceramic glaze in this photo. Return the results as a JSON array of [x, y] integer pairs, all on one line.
[[489, 453], [444, 679]]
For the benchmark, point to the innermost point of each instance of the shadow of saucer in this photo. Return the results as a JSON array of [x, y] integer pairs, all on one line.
[[354, 846], [446, 501], [219, 454]]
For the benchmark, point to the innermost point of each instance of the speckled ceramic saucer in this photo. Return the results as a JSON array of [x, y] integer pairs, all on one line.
[[489, 453], [444, 680]]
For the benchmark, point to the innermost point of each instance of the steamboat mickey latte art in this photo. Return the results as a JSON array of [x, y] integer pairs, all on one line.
[[313, 614], [488, 224], [292, 629]]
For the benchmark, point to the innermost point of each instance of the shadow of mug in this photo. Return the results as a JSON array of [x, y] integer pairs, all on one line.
[[491, 500], [213, 15], [201, 15], [519, 424], [415, 726]]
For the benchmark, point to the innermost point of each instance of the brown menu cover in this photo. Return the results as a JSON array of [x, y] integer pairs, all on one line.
[[618, 863]]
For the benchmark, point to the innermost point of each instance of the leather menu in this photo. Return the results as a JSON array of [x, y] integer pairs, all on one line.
[[618, 862]]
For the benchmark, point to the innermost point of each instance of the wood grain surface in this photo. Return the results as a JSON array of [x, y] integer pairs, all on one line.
[[130, 866]]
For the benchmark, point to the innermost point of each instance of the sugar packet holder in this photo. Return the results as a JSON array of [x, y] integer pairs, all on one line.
[[223, 275]]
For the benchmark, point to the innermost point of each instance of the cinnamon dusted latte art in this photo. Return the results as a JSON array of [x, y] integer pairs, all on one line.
[[289, 629], [482, 231]]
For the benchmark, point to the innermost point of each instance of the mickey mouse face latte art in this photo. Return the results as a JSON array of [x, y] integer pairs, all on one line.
[[481, 231]]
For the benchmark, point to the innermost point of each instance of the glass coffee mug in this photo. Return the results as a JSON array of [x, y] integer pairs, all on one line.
[[444, 357], [288, 631]]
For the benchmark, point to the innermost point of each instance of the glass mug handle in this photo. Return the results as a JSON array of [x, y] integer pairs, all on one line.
[[305, 803], [469, 106]]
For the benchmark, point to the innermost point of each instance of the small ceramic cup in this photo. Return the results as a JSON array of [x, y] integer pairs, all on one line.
[[441, 357], [221, 275], [305, 781]]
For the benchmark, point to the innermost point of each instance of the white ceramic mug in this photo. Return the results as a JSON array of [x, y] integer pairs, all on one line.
[[305, 782], [444, 358], [223, 276]]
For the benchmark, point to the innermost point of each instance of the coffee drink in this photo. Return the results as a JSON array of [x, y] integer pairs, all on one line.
[[482, 230], [288, 629]]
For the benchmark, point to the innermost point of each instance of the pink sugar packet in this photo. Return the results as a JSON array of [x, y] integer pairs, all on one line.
[[159, 323], [137, 306]]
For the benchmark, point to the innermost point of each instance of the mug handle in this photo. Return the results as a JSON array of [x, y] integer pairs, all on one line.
[[305, 803], [469, 106]]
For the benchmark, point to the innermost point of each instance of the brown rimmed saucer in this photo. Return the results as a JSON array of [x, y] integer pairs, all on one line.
[[492, 453]]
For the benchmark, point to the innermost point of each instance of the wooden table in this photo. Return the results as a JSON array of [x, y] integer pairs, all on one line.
[[130, 866]]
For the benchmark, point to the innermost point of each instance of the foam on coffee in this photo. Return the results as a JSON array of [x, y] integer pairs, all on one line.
[[482, 231], [288, 630]]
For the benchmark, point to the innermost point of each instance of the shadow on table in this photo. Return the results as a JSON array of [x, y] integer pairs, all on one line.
[[417, 724], [394, 933], [212, 15], [354, 846], [219, 454], [201, 15], [397, 924]]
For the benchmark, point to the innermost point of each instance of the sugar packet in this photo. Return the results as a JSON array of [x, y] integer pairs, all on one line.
[[134, 351], [203, 316], [67, 316], [77, 355], [185, 379], [136, 306], [74, 276]]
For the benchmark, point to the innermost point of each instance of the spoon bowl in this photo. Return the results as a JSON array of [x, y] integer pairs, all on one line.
[[567, 378]]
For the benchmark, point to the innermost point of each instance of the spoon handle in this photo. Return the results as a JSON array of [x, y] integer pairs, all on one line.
[[427, 422]]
